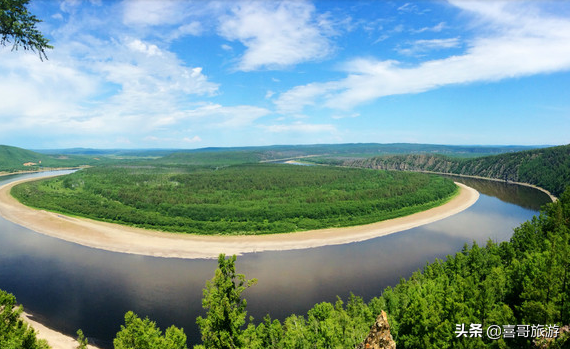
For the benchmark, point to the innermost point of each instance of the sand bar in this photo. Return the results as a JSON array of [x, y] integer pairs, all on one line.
[[125, 239]]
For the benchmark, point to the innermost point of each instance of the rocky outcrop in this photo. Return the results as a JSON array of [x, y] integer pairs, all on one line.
[[379, 336], [562, 340]]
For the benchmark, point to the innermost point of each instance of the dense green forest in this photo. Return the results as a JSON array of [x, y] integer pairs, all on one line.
[[240, 199], [548, 168]]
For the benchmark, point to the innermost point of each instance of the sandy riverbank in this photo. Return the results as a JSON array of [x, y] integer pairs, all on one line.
[[118, 238], [55, 339]]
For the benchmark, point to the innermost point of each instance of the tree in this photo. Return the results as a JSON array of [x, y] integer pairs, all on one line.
[[222, 328], [18, 27], [82, 340], [143, 334], [14, 332]]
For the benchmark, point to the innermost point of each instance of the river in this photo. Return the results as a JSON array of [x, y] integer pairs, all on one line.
[[68, 286]]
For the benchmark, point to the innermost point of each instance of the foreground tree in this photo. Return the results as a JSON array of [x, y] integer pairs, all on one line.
[[222, 328], [14, 332], [143, 334], [18, 27], [81, 340]]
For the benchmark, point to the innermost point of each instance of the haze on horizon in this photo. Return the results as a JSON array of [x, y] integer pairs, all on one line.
[[194, 74]]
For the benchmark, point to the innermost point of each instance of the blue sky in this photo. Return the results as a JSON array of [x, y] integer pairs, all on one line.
[[192, 74]]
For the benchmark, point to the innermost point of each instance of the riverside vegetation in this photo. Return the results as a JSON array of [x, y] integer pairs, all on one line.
[[548, 168], [240, 199], [523, 281]]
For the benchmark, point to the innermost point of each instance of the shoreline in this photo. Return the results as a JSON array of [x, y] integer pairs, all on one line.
[[126, 239], [56, 340], [552, 197], [45, 169]]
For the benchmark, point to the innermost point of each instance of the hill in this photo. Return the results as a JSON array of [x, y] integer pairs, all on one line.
[[548, 168], [276, 152], [13, 159]]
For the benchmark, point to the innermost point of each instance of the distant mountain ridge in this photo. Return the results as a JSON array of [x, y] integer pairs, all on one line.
[[310, 149], [548, 168]]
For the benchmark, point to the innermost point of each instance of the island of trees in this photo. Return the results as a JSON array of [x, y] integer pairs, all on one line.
[[238, 199]]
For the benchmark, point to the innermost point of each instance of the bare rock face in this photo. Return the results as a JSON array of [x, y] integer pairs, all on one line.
[[379, 336]]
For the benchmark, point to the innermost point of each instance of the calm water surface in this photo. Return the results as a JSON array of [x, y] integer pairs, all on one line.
[[68, 286]]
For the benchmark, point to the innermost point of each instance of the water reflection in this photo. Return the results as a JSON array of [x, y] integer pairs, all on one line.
[[519, 195], [71, 286]]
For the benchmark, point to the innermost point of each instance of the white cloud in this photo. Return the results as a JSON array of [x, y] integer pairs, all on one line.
[[193, 28], [275, 34], [219, 116], [195, 139], [97, 87], [517, 41], [148, 49], [436, 28], [300, 127], [69, 5], [172, 140], [411, 8], [39, 94], [294, 100], [343, 116], [153, 12], [422, 46]]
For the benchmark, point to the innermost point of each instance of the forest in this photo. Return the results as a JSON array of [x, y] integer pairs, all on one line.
[[548, 168], [239, 199], [523, 281]]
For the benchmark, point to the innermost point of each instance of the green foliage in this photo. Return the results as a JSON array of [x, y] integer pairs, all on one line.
[[241, 199], [82, 340], [212, 158], [524, 281], [222, 327], [14, 332], [18, 27], [143, 334], [548, 168]]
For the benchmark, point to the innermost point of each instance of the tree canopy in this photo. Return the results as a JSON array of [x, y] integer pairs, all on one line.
[[144, 334], [18, 27], [222, 328], [14, 332]]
